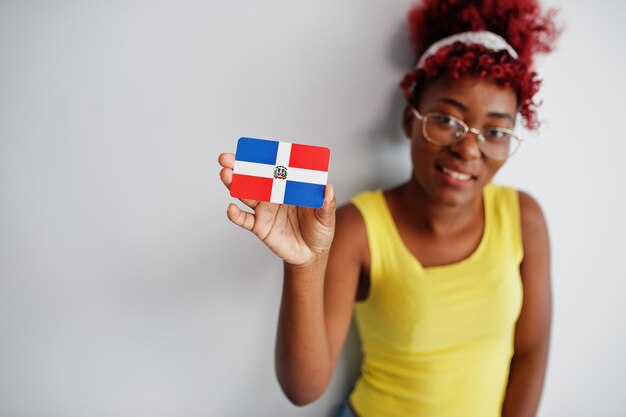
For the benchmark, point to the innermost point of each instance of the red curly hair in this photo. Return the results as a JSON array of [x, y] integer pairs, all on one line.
[[521, 23]]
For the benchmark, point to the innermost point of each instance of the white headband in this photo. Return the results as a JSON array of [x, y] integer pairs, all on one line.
[[487, 39]]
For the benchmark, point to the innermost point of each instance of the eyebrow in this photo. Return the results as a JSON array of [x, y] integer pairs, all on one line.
[[454, 103], [464, 108]]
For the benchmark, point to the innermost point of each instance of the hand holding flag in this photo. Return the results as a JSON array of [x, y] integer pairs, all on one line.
[[296, 234]]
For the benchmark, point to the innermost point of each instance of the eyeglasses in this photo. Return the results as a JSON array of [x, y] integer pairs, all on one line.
[[446, 130]]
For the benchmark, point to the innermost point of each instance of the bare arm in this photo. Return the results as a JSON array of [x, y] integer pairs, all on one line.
[[319, 284], [532, 332], [316, 310]]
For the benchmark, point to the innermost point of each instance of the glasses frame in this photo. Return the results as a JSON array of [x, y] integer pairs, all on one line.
[[466, 129]]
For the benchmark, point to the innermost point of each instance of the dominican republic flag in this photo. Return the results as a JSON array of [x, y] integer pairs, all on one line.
[[280, 172]]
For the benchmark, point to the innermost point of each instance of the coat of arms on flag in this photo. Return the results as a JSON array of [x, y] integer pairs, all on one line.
[[280, 172]]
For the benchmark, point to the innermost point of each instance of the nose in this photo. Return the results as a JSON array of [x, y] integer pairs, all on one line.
[[467, 148]]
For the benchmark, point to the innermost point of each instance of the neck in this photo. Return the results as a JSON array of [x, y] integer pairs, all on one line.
[[436, 217]]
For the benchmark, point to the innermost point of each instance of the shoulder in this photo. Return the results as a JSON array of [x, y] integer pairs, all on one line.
[[352, 217], [350, 224], [531, 216], [351, 234], [530, 213], [534, 234]]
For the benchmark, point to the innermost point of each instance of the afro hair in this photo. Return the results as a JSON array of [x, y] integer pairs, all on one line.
[[522, 23]]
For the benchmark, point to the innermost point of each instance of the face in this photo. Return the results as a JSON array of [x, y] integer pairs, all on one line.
[[455, 175]]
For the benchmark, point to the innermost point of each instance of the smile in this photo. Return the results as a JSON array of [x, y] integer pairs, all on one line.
[[461, 176]]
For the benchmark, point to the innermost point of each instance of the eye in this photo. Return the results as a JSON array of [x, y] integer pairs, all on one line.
[[445, 120], [496, 134]]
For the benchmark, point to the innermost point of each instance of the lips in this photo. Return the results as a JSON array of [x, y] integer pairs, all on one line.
[[456, 172]]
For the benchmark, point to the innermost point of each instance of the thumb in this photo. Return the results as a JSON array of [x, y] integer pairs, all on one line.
[[326, 214]]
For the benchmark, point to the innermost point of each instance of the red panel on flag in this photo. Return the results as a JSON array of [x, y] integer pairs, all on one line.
[[309, 157], [253, 188]]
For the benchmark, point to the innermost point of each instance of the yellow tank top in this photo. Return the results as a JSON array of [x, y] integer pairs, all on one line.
[[438, 341]]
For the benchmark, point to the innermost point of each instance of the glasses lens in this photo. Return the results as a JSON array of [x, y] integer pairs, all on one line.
[[443, 129], [499, 143]]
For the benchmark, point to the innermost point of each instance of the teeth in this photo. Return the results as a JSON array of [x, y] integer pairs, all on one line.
[[457, 175]]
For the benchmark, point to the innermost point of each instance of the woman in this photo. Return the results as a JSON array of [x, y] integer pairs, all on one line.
[[448, 274]]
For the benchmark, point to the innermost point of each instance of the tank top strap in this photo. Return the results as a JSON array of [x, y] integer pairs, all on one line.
[[505, 215], [387, 249]]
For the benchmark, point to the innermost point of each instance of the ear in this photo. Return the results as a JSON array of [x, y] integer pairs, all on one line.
[[407, 121]]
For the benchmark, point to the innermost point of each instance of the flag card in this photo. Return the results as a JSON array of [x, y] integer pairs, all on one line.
[[280, 172]]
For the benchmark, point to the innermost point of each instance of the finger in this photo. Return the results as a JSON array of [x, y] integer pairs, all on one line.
[[326, 214], [250, 203], [329, 193], [226, 175], [227, 160], [239, 217]]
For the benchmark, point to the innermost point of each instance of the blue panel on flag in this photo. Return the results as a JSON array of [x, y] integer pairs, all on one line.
[[304, 194], [257, 150]]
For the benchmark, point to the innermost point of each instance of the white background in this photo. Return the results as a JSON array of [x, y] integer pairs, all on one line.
[[125, 291]]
